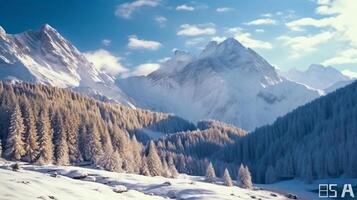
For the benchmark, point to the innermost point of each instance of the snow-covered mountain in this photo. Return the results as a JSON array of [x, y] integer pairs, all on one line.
[[44, 56], [226, 82], [318, 76]]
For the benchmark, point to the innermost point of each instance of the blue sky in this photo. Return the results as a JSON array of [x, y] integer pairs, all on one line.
[[134, 36]]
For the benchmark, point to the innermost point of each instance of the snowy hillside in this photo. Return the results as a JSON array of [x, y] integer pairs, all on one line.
[[226, 82], [52, 182], [319, 77], [44, 56]]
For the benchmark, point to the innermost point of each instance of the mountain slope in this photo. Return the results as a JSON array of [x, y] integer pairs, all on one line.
[[226, 82], [314, 141], [44, 56], [318, 77]]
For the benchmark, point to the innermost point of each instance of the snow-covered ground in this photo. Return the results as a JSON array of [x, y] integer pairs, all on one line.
[[39, 182]]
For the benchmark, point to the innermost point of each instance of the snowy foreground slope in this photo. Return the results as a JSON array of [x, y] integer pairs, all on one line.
[[34, 182]]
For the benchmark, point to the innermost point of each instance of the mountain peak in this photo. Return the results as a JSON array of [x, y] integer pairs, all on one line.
[[2, 31], [231, 42], [46, 28]]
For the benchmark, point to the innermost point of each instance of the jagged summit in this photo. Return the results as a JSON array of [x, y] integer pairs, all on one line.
[[45, 56], [2, 31], [226, 82]]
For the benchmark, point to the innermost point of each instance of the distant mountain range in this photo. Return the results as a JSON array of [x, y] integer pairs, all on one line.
[[324, 78], [226, 82]]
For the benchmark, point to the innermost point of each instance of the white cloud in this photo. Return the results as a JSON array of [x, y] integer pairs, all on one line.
[[125, 10], [339, 15], [349, 73], [345, 57], [106, 42], [135, 43], [161, 20], [145, 69], [259, 30], [246, 39], [268, 15], [196, 30], [219, 39], [263, 21], [105, 61], [305, 44], [199, 41], [185, 7], [297, 25], [224, 9]]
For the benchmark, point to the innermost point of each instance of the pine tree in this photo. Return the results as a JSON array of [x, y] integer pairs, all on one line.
[[0, 148], [270, 176], [144, 169], [244, 177], [210, 173], [172, 168], [62, 155], [14, 143], [153, 160], [31, 142], [248, 178], [136, 151], [93, 146], [110, 160], [46, 133], [227, 178], [165, 169]]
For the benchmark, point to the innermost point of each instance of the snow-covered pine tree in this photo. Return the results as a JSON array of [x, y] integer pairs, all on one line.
[[248, 178], [93, 146], [165, 169], [136, 151], [0, 148], [14, 148], [144, 169], [110, 160], [172, 168], [31, 141], [210, 173], [244, 177], [45, 133], [227, 178], [153, 160], [62, 153], [72, 127]]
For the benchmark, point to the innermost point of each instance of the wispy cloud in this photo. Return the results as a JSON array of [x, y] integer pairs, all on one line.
[[145, 69], [224, 9], [305, 44], [135, 43], [199, 41], [185, 7], [105, 61], [196, 30], [247, 40], [106, 42], [262, 21], [298, 25], [125, 10], [337, 15], [348, 56], [349, 73], [161, 20]]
